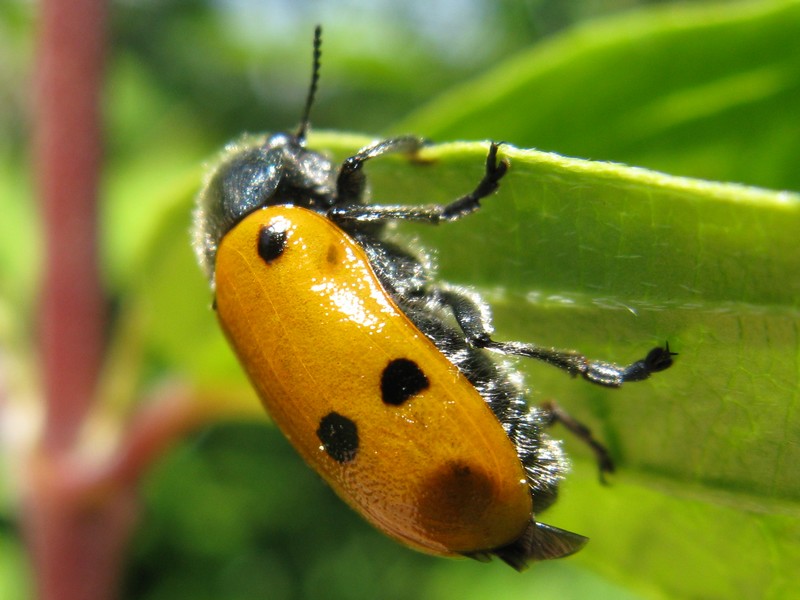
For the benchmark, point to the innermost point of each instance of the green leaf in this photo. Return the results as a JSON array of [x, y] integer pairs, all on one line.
[[709, 92], [613, 261]]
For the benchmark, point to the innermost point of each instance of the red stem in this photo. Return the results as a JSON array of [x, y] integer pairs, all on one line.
[[76, 537], [68, 157]]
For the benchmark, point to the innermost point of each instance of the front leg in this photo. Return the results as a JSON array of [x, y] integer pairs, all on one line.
[[351, 181]]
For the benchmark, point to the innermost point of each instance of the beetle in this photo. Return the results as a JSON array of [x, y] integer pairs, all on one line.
[[385, 379]]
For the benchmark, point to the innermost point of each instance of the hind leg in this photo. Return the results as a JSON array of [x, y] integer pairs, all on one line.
[[474, 320]]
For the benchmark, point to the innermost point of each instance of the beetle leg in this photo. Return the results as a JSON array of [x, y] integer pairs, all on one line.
[[471, 313], [555, 414], [495, 170], [351, 182], [595, 371], [474, 320], [350, 186]]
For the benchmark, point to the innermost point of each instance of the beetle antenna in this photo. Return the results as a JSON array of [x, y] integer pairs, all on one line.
[[312, 90]]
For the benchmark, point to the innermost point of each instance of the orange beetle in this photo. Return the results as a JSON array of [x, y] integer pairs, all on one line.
[[380, 376]]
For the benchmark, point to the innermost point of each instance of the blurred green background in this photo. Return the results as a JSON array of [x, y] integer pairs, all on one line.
[[710, 90]]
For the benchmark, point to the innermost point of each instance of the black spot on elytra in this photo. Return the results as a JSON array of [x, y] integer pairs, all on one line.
[[271, 243], [402, 379], [339, 437]]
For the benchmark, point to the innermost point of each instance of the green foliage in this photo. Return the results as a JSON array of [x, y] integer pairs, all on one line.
[[614, 260], [604, 258], [611, 260], [708, 92]]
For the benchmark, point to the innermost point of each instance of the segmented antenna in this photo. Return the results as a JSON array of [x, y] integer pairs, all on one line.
[[301, 133]]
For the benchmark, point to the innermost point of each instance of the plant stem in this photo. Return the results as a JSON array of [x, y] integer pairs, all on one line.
[[69, 147], [76, 532]]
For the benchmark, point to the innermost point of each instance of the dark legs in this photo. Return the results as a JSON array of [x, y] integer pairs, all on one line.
[[556, 414], [470, 313], [594, 371], [474, 321], [351, 181]]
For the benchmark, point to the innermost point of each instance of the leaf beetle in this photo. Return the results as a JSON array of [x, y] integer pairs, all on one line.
[[383, 378]]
